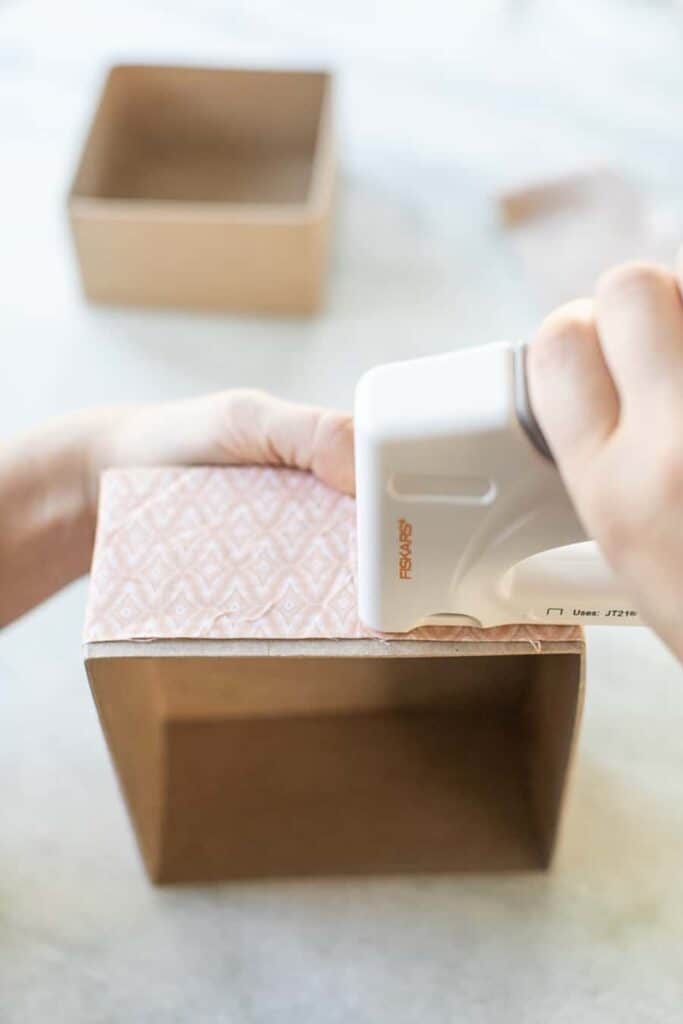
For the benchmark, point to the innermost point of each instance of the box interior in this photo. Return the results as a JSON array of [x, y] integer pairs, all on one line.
[[204, 135], [252, 767]]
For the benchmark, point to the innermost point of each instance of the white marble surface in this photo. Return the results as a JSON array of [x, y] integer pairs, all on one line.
[[439, 103]]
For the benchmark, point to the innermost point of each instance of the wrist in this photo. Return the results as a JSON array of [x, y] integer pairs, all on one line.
[[67, 457], [48, 501], [69, 467], [95, 451]]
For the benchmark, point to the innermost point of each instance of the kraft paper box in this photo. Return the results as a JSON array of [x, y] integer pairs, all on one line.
[[258, 729], [206, 188]]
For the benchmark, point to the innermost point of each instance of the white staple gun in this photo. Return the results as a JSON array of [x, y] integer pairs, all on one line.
[[463, 518]]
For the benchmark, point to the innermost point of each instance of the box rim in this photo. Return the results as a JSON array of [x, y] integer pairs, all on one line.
[[310, 210], [327, 648], [196, 210]]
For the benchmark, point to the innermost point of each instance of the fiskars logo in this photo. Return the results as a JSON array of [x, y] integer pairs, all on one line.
[[405, 550]]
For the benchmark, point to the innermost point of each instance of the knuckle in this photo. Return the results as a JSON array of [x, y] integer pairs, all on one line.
[[246, 422], [558, 339], [334, 427], [636, 277], [249, 396], [247, 402]]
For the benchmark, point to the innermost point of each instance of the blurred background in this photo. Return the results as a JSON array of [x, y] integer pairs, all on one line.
[[446, 113]]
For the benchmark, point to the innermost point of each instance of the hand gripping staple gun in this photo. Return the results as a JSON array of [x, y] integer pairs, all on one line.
[[462, 516]]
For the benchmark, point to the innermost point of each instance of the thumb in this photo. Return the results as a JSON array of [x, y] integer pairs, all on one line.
[[257, 427]]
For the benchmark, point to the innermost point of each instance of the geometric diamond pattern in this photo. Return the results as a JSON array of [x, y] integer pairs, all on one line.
[[235, 552]]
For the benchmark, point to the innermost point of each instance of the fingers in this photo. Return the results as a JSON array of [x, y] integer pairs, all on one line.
[[593, 363], [239, 427], [332, 459], [259, 428], [639, 315], [571, 388]]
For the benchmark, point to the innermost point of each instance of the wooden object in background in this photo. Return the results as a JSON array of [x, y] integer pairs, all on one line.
[[207, 188]]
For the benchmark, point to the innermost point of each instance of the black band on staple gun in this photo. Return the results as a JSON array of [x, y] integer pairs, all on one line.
[[525, 414]]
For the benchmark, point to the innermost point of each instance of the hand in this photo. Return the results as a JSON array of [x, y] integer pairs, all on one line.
[[227, 428], [49, 479], [606, 384]]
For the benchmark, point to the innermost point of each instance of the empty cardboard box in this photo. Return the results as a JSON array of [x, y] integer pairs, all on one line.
[[258, 729], [206, 188]]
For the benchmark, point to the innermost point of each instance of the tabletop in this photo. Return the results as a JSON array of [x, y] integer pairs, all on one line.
[[441, 106]]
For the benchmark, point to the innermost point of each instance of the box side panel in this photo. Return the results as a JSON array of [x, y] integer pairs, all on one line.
[[347, 794], [235, 688], [211, 263], [281, 768], [177, 173], [130, 715], [266, 767], [323, 174], [240, 108], [553, 714], [103, 150]]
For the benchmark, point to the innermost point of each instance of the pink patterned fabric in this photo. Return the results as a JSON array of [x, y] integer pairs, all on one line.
[[225, 553]]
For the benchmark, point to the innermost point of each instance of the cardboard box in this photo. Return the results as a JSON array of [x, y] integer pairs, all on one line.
[[206, 188], [259, 730]]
